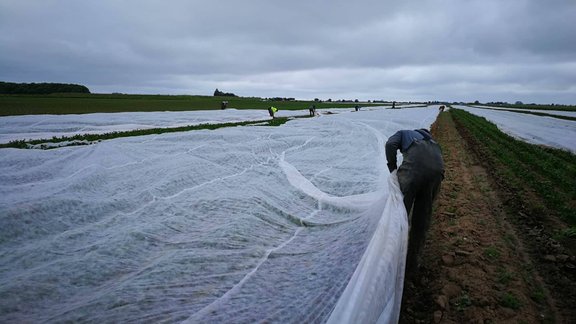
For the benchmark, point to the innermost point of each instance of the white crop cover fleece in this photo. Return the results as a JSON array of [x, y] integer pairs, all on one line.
[[293, 224]]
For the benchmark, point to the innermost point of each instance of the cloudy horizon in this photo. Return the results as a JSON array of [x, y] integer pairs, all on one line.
[[447, 50]]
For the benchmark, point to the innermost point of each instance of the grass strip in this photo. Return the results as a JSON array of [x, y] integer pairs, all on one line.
[[541, 179], [88, 138], [58, 104]]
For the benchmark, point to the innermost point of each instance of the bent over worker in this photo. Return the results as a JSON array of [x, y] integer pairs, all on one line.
[[419, 176], [272, 110]]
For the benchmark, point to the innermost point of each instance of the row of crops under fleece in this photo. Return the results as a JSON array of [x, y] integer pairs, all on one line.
[[300, 223]]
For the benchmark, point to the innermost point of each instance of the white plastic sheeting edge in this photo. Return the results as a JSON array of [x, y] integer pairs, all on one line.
[[374, 293]]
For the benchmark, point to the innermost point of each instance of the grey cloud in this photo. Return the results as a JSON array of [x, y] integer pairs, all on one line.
[[372, 49]]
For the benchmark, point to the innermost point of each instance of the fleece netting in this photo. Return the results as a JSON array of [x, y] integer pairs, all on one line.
[[292, 224]]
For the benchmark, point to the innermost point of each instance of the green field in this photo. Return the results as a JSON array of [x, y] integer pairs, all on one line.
[[108, 103]]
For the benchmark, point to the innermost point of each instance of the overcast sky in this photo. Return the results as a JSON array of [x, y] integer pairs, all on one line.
[[454, 50]]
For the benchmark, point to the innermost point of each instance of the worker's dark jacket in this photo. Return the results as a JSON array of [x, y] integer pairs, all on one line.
[[422, 164], [421, 154]]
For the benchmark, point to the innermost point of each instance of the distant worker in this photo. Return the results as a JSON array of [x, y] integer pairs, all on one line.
[[312, 110], [356, 108], [272, 111], [442, 108], [393, 104], [224, 105], [419, 176]]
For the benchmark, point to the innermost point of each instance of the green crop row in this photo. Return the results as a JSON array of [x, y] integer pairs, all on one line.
[[542, 179]]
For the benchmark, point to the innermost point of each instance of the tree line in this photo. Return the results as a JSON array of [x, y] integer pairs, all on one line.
[[41, 88], [218, 93]]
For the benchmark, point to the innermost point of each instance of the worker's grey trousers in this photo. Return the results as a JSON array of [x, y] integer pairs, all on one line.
[[419, 176]]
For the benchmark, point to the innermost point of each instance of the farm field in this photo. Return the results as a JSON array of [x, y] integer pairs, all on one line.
[[240, 215], [543, 112], [32, 127], [213, 162], [549, 131], [492, 248], [531, 107], [192, 225], [109, 103], [546, 175]]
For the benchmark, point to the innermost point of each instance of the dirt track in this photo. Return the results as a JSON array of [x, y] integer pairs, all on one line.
[[474, 267]]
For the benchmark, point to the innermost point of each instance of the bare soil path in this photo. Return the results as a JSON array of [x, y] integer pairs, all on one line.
[[474, 267]]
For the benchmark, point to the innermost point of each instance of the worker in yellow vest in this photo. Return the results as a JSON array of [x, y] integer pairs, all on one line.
[[272, 110]]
